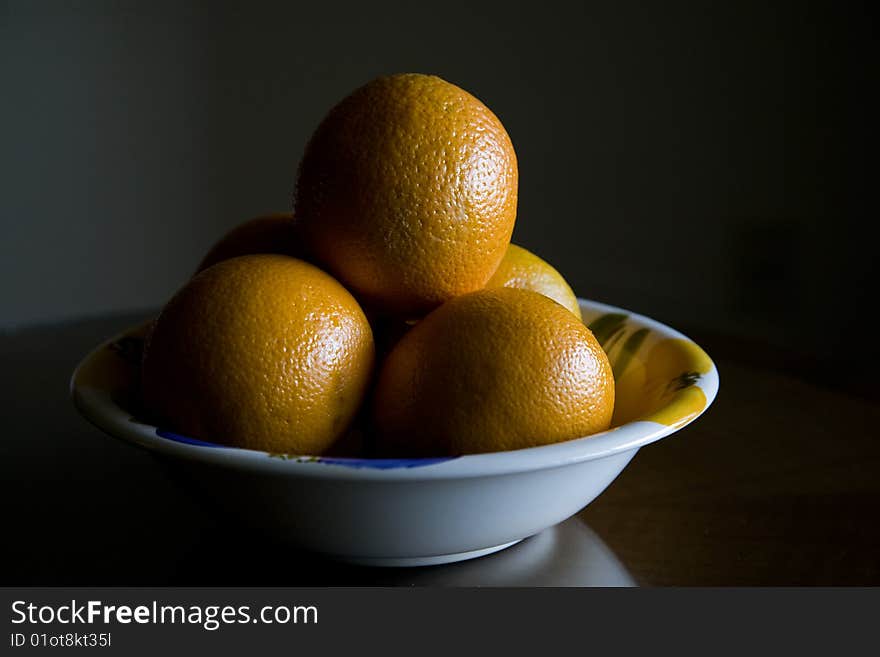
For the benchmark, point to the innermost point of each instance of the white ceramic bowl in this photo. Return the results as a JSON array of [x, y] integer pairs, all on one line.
[[419, 511]]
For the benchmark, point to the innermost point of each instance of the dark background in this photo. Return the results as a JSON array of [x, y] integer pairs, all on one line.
[[699, 162]]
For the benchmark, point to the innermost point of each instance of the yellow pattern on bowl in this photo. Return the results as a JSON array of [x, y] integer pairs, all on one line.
[[655, 377]]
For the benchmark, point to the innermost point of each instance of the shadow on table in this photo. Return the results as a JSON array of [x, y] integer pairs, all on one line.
[[569, 554]]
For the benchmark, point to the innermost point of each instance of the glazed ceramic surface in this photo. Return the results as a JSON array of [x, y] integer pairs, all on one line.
[[419, 511]]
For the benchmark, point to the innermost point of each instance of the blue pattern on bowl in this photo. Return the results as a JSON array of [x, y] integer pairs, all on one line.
[[384, 464], [170, 435], [378, 464]]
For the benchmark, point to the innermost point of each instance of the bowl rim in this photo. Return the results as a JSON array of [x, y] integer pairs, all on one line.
[[98, 406]]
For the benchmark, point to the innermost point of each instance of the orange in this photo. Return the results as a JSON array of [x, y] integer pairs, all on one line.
[[272, 233], [407, 193], [524, 270], [489, 371], [261, 351]]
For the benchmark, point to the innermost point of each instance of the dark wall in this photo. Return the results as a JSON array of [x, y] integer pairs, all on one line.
[[700, 163]]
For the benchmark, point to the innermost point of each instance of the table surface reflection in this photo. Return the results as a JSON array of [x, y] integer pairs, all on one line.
[[778, 484]]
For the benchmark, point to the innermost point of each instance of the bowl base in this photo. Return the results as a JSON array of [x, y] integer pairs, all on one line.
[[434, 560]]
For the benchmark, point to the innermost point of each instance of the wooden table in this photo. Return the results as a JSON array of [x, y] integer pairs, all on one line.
[[777, 484]]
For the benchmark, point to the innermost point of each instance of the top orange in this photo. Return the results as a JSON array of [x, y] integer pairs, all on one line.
[[407, 193]]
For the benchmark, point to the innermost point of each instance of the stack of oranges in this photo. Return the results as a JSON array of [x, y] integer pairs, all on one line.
[[390, 300]]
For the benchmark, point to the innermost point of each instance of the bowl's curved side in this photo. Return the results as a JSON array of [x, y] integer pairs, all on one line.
[[402, 522]]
